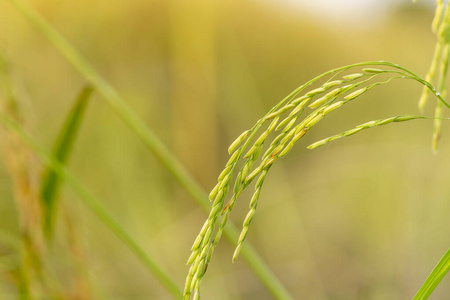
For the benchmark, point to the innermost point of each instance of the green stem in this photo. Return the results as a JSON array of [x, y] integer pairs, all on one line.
[[435, 277], [94, 204], [149, 139]]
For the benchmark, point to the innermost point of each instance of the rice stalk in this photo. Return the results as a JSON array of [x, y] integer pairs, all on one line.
[[437, 15], [23, 168], [441, 27], [290, 133], [49, 283]]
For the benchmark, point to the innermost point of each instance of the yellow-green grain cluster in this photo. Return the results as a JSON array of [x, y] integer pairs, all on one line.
[[362, 127], [438, 68], [288, 126]]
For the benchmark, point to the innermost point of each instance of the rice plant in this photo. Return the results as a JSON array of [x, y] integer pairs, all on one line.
[[282, 117]]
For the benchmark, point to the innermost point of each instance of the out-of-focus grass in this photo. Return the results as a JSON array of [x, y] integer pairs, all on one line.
[[51, 182], [362, 218]]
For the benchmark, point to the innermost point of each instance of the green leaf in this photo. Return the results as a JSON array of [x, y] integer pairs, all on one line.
[[51, 182], [434, 278]]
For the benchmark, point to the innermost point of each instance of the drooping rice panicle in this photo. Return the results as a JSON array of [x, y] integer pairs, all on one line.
[[283, 119], [437, 15], [441, 26], [438, 110], [283, 144]]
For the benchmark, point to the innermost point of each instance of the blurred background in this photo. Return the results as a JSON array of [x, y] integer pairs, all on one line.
[[361, 218]]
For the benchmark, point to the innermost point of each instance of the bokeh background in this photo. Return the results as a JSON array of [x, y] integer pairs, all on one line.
[[361, 218]]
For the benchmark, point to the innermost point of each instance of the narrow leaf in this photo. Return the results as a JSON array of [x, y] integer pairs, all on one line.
[[51, 182], [434, 278]]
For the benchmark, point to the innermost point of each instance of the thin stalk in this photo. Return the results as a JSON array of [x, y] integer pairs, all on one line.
[[150, 140], [94, 204], [435, 277]]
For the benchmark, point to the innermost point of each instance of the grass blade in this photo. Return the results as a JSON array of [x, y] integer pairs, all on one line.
[[94, 204], [439, 271], [150, 140], [51, 182]]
